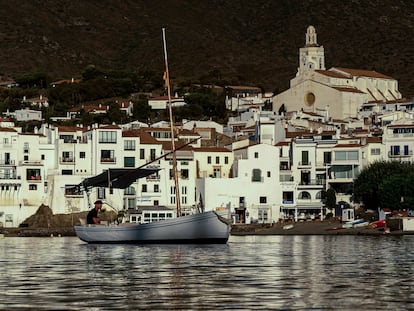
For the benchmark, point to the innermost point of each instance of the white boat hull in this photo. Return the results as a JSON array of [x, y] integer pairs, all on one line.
[[204, 227]]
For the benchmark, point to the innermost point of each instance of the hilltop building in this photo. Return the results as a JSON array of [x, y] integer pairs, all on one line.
[[338, 92]]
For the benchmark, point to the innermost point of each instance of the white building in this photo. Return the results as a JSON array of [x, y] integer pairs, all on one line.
[[252, 194], [341, 92]]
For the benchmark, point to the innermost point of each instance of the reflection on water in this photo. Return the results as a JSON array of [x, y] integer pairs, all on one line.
[[269, 272]]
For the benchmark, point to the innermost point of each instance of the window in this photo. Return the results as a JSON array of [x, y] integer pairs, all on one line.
[[346, 155], [263, 215], [107, 137], [305, 158], [209, 160], [327, 157], [268, 174], [33, 174], [263, 200], [67, 156], [375, 151], [129, 145], [395, 150], [152, 154], [66, 138], [184, 174], [287, 197], [144, 188], [304, 195], [217, 172], [42, 157], [156, 188], [32, 187], [67, 172], [107, 156], [73, 190], [226, 160], [142, 154], [26, 148], [82, 155], [257, 175], [129, 161], [217, 160], [256, 155], [26, 158], [101, 193], [129, 191]]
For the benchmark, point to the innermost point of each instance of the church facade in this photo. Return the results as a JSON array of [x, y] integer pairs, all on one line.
[[338, 92]]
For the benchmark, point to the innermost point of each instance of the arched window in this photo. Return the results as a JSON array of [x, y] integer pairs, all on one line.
[[321, 195], [304, 195]]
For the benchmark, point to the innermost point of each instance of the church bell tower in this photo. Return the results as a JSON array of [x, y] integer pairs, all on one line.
[[312, 56]]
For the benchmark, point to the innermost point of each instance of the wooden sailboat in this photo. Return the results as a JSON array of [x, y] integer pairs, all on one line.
[[202, 227]]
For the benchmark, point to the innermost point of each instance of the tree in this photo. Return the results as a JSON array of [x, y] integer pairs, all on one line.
[[383, 183], [397, 191], [330, 198]]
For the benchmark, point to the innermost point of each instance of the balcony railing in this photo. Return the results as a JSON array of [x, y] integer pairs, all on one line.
[[66, 160], [108, 160], [153, 178], [304, 163], [400, 154], [313, 182], [7, 162]]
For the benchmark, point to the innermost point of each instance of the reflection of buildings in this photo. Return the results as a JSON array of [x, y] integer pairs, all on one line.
[[337, 92]]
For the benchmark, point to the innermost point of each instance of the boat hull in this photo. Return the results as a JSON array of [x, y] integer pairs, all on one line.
[[204, 228]]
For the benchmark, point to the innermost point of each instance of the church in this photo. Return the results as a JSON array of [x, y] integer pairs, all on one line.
[[337, 93]]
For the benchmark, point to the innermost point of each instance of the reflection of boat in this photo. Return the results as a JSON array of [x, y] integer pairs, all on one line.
[[203, 227]]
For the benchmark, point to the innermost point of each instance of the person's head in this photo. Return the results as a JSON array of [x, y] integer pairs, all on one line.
[[98, 204]]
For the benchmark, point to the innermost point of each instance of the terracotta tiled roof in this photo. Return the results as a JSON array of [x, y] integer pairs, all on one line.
[[364, 73], [282, 143], [7, 129], [110, 127], [68, 128], [332, 74], [347, 89], [212, 149], [347, 146]]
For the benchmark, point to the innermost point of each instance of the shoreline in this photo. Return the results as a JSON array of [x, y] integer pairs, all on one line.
[[294, 228], [310, 228]]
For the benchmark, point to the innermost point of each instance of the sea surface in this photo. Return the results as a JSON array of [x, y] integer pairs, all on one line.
[[248, 273]]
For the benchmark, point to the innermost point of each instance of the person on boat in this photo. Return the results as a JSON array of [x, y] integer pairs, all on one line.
[[92, 217]]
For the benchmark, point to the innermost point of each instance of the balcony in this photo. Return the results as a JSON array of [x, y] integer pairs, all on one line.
[[401, 154], [314, 184], [67, 160], [153, 178], [11, 176], [322, 165], [307, 164], [108, 160], [30, 163], [7, 162]]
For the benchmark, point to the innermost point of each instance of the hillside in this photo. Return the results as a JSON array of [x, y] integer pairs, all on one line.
[[245, 42]]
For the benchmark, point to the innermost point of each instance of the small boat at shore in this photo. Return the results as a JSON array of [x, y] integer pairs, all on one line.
[[202, 228]]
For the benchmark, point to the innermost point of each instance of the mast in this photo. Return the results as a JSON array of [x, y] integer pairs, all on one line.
[[167, 83]]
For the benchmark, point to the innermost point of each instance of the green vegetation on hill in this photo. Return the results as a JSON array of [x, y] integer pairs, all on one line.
[[238, 42]]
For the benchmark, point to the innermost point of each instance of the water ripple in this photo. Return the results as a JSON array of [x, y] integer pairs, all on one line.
[[264, 273]]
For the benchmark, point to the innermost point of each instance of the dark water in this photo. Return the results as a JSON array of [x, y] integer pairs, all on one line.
[[263, 273]]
